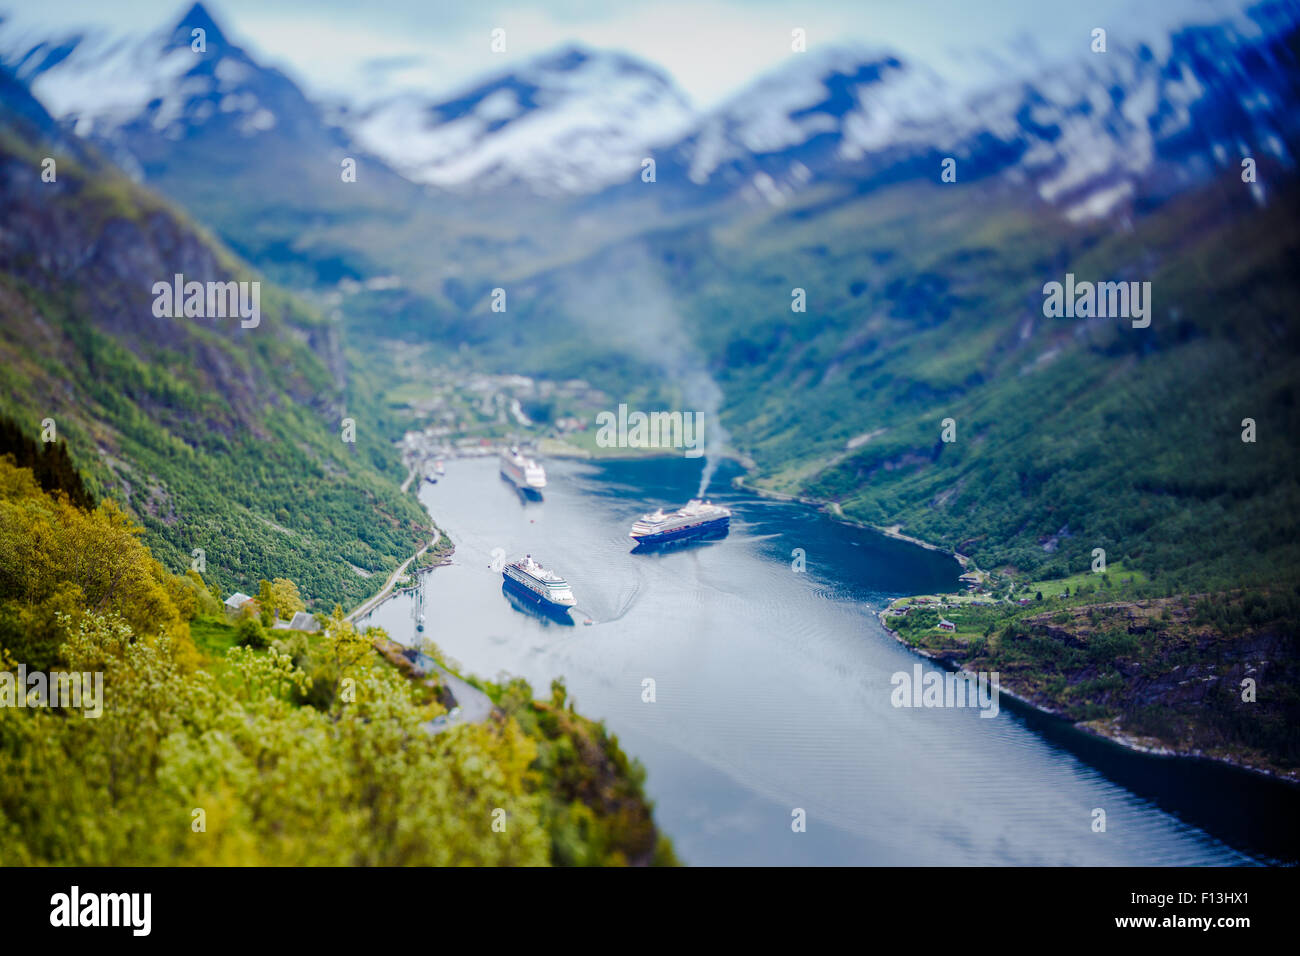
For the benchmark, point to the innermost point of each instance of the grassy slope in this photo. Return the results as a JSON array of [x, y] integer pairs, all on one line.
[[594, 806], [288, 764], [1161, 673], [214, 437], [1130, 439]]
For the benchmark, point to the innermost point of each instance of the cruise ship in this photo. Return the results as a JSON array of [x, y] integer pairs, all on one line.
[[698, 519], [524, 473], [537, 584]]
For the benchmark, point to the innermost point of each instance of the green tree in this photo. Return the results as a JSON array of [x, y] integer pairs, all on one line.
[[249, 633], [265, 603], [285, 600]]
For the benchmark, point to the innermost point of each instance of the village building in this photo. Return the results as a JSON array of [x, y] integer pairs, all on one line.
[[236, 603]]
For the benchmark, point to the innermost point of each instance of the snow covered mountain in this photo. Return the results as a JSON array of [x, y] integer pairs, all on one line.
[[141, 96], [572, 121], [233, 140], [1088, 136], [1092, 135]]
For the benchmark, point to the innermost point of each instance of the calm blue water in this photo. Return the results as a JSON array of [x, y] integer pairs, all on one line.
[[773, 690]]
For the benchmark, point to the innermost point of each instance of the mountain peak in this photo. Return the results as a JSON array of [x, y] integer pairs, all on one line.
[[574, 55], [197, 17], [568, 120], [566, 57]]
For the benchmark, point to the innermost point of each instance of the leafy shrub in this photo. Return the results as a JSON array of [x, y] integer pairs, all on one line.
[[250, 633]]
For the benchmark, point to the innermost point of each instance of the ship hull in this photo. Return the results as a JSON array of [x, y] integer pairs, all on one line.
[[708, 530], [526, 602], [521, 486], [529, 596]]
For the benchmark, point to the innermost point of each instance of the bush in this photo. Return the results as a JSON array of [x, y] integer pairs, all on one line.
[[249, 633]]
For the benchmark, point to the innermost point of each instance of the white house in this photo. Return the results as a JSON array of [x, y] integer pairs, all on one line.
[[235, 603], [302, 621]]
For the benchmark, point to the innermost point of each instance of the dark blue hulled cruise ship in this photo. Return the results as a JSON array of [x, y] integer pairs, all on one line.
[[537, 584], [698, 519]]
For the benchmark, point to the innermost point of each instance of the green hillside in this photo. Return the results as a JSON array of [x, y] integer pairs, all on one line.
[[925, 302], [198, 743], [212, 436], [1071, 434]]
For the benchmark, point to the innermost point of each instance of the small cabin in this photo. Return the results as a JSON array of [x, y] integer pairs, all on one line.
[[946, 625], [302, 621], [236, 603]]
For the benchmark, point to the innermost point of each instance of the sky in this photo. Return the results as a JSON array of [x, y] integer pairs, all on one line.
[[712, 48]]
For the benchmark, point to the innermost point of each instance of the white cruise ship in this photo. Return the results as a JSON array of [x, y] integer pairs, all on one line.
[[697, 519], [535, 583], [523, 472]]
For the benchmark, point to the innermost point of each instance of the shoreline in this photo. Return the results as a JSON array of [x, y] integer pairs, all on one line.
[[1091, 728], [1151, 747], [575, 453], [832, 508], [1131, 743], [389, 590]]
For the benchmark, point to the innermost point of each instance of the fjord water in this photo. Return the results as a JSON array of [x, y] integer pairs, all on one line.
[[772, 689]]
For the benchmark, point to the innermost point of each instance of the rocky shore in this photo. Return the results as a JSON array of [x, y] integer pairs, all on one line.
[[1145, 674]]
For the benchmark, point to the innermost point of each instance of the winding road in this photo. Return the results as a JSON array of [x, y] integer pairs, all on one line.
[[475, 706], [369, 605]]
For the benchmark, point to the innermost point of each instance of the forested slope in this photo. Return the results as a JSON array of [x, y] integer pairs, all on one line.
[[215, 437]]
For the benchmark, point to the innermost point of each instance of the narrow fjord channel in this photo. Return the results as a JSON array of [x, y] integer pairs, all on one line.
[[772, 689]]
